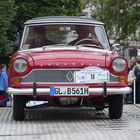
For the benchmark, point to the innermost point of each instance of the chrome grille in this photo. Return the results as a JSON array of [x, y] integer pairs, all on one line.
[[51, 76], [54, 76]]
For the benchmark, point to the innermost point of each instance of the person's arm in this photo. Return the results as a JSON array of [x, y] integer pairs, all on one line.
[[131, 76]]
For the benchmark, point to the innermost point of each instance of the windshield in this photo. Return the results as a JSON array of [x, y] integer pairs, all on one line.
[[64, 34]]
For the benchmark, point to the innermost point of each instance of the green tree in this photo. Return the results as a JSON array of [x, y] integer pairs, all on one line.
[[121, 17], [7, 12]]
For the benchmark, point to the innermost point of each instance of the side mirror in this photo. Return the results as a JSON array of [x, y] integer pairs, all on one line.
[[116, 47]]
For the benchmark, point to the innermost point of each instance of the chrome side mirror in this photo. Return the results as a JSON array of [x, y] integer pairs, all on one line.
[[116, 47]]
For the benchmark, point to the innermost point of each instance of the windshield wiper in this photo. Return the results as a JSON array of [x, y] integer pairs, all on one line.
[[55, 45], [89, 46]]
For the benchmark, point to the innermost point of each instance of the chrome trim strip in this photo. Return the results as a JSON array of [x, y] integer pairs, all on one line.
[[92, 91]]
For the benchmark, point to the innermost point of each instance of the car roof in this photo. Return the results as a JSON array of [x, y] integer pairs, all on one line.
[[62, 19]]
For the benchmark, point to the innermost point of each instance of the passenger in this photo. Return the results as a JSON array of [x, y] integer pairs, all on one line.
[[3, 85], [39, 39]]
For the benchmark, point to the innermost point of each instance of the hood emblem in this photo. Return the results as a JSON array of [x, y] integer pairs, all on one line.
[[69, 76]]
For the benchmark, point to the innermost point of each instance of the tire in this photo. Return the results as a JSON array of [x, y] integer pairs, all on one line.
[[99, 108], [115, 106], [18, 107]]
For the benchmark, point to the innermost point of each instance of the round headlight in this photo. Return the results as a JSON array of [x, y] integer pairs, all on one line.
[[119, 64], [20, 65]]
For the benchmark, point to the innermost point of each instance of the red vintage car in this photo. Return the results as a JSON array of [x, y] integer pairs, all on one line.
[[69, 62]]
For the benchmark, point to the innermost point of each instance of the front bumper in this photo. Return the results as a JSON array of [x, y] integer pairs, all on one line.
[[92, 91]]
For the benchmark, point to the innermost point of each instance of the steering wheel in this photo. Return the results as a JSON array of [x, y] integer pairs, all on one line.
[[84, 41]]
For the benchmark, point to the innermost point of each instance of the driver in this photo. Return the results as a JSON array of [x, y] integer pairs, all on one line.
[[82, 31]]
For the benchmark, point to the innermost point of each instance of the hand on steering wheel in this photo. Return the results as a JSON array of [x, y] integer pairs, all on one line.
[[88, 41]]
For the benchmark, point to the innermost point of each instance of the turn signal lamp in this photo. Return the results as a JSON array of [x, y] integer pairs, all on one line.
[[123, 79], [15, 80]]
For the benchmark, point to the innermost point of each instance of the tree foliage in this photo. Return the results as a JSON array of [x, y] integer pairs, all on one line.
[[122, 17], [7, 12]]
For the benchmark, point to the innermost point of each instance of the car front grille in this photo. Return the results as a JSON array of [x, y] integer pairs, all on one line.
[[54, 76], [51, 76]]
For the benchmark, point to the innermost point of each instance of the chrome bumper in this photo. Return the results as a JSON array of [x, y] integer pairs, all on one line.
[[92, 91]]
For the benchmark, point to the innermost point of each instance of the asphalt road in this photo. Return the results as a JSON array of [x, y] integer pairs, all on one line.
[[70, 124]]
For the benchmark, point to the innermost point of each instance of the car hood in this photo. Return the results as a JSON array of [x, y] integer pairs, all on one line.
[[68, 58]]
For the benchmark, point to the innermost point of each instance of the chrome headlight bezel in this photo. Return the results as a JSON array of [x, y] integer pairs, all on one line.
[[119, 64], [20, 65]]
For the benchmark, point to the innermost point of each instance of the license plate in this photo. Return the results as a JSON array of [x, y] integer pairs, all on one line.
[[69, 91]]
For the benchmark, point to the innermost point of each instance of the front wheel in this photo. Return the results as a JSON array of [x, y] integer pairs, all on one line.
[[18, 107], [115, 106]]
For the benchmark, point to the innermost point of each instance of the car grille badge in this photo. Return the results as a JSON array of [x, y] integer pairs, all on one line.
[[69, 76]]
